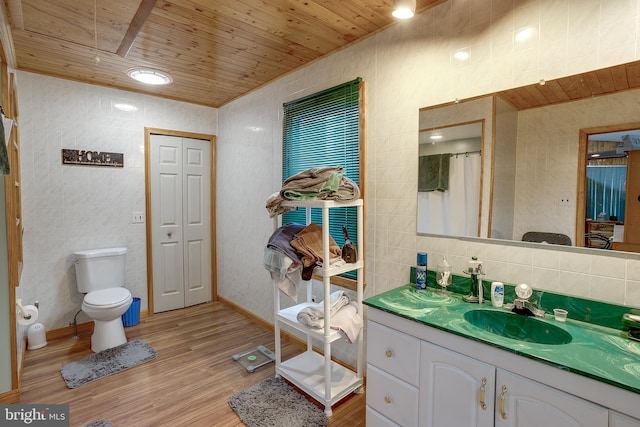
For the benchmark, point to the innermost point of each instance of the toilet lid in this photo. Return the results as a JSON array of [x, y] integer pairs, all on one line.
[[108, 296]]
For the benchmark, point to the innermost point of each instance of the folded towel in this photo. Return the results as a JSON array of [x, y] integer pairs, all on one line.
[[347, 321], [284, 272], [347, 190], [311, 183], [274, 207], [313, 315], [280, 240], [433, 172], [323, 183], [308, 243]]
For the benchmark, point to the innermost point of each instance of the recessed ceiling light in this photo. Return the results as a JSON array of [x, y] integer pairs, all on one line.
[[404, 9], [149, 76], [435, 137]]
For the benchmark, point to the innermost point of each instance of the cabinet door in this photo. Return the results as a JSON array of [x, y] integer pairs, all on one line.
[[455, 390], [619, 420], [521, 402]]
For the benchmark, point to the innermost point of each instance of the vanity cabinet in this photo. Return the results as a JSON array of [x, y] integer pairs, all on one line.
[[619, 420], [465, 383]]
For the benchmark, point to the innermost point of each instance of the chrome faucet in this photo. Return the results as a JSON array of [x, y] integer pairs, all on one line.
[[631, 323], [523, 306]]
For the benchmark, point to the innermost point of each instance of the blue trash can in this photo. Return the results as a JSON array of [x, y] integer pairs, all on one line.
[[132, 316]]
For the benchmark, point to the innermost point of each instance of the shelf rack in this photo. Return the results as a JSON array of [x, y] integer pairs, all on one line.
[[310, 370]]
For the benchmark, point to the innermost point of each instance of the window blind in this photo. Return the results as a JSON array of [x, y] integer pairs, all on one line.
[[323, 129]]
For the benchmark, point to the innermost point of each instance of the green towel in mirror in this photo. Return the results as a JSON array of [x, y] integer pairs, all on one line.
[[4, 155], [433, 172]]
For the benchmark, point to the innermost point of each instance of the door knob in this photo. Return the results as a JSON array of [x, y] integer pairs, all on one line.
[[169, 234]]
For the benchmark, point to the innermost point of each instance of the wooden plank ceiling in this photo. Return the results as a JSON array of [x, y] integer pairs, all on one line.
[[215, 50], [219, 50], [572, 88]]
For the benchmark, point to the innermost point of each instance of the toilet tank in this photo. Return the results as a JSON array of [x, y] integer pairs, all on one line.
[[100, 268]]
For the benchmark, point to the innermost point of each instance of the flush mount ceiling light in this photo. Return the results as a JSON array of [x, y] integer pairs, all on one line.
[[404, 9], [149, 76]]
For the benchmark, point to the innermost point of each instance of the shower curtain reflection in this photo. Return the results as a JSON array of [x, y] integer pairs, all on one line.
[[455, 211], [606, 192]]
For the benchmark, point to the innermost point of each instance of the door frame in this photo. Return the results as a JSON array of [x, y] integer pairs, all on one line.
[[147, 184]]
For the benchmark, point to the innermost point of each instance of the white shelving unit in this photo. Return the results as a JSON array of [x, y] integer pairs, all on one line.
[[314, 373]]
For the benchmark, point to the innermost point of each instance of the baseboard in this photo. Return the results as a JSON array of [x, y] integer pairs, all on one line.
[[67, 331], [12, 396], [250, 315], [298, 342]]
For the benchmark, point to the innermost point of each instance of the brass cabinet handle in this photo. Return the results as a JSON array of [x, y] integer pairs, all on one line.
[[389, 353], [503, 395], [483, 405], [387, 399]]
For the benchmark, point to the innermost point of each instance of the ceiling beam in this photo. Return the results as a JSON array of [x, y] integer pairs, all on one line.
[[143, 12]]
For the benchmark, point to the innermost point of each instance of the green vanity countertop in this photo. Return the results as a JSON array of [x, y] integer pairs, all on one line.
[[598, 352]]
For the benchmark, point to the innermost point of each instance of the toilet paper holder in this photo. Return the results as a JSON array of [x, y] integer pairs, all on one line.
[[23, 312]]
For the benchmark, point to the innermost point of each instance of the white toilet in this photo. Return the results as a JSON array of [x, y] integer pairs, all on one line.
[[100, 274]]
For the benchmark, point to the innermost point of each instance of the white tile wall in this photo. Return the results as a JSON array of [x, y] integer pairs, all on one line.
[[406, 67], [69, 208]]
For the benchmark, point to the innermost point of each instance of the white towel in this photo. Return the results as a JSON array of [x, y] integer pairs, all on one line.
[[284, 272], [313, 315], [348, 322]]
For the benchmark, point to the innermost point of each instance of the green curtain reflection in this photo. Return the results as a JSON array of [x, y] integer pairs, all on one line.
[[606, 191]]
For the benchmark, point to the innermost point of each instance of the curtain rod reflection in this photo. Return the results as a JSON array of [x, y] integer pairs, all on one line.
[[466, 153]]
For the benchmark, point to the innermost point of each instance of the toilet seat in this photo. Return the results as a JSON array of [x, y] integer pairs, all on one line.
[[107, 298]]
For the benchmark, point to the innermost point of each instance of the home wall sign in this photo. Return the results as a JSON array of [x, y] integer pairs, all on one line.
[[92, 158]]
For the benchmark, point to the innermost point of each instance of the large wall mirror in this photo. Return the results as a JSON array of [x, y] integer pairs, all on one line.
[[533, 169]]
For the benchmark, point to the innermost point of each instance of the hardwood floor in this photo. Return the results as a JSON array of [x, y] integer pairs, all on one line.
[[187, 385]]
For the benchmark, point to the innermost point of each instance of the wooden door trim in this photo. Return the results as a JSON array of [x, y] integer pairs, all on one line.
[[147, 184]]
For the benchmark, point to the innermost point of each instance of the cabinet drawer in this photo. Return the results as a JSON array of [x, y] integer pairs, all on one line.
[[391, 397], [394, 352], [374, 419]]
